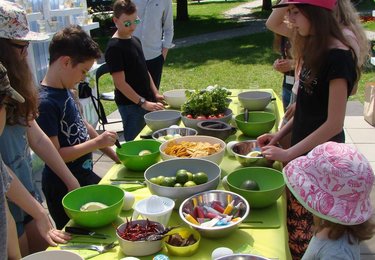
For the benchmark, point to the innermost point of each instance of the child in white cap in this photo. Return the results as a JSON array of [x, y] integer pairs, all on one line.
[[334, 183], [21, 131]]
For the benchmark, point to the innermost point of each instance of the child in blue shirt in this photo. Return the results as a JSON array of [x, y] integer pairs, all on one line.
[[72, 53]]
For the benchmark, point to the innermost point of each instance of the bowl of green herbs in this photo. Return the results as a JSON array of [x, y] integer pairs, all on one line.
[[206, 104]]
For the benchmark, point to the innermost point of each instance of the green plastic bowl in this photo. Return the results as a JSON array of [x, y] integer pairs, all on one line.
[[109, 195], [130, 158], [259, 123], [270, 181]]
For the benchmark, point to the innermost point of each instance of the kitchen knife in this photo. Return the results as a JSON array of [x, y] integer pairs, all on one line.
[[85, 232]]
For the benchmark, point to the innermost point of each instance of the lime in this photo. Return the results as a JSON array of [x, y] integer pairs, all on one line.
[[154, 180], [159, 180], [249, 185], [168, 181], [182, 176], [178, 185], [190, 184], [190, 176], [277, 165], [200, 178]]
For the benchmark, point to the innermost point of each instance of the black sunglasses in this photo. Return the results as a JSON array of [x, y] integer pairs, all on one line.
[[22, 47]]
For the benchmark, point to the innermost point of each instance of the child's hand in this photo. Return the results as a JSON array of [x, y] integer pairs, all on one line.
[[265, 139], [107, 138], [274, 153], [160, 98], [48, 232], [153, 106], [283, 65]]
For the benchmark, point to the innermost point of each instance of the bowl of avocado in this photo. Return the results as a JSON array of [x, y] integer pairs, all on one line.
[[260, 186]]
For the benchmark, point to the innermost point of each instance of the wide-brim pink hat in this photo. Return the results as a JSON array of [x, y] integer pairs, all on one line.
[[334, 182], [14, 25], [327, 4]]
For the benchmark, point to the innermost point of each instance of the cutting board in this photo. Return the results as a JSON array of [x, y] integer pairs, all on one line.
[[262, 218], [122, 173]]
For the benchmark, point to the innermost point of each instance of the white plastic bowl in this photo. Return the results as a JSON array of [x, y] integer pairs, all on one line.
[[175, 98], [139, 248], [53, 254], [162, 119]]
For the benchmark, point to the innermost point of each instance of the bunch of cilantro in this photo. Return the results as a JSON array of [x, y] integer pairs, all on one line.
[[206, 102]]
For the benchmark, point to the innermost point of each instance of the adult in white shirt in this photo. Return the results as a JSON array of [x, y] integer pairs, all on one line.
[[156, 33]]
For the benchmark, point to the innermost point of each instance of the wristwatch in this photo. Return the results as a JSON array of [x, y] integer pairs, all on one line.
[[141, 101]]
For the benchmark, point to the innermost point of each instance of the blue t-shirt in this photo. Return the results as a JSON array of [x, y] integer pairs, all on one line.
[[59, 116], [16, 154], [327, 249]]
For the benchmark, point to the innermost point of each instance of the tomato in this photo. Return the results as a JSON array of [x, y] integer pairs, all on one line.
[[189, 116], [220, 115], [212, 117], [201, 117]]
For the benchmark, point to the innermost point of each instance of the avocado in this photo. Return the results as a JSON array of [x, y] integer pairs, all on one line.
[[249, 185]]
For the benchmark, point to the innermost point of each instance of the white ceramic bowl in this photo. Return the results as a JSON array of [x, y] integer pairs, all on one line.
[[255, 100], [175, 98], [216, 157], [162, 119], [53, 254]]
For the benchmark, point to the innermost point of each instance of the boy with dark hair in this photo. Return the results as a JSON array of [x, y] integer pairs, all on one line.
[[135, 91], [72, 53]]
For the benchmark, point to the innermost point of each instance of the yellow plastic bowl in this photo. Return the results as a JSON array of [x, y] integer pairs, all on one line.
[[183, 250]]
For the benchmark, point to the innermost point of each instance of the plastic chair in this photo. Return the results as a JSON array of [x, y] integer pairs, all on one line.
[[107, 96]]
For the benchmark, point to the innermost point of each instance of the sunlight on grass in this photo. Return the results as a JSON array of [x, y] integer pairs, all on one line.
[[242, 62]]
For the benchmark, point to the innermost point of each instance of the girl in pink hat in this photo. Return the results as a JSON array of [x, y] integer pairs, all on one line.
[[326, 78], [334, 183]]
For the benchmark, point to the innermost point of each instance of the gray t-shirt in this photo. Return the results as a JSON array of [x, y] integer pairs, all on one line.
[[326, 249], [5, 180]]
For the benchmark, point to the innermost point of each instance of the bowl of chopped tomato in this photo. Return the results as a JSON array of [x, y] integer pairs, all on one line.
[[140, 237], [192, 120]]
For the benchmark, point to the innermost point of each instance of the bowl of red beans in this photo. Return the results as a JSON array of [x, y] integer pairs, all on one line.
[[140, 237]]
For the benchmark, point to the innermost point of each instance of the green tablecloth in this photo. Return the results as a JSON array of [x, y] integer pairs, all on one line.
[[265, 235]]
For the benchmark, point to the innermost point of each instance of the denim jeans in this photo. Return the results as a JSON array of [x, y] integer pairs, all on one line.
[[286, 94], [132, 120]]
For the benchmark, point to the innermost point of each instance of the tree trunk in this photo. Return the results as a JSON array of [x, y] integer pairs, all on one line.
[[182, 10], [267, 5]]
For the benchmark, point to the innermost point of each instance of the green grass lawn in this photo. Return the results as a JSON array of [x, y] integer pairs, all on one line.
[[241, 62], [369, 26]]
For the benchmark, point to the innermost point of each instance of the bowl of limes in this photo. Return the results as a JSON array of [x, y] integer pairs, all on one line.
[[180, 178]]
